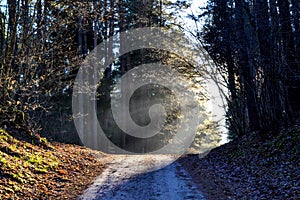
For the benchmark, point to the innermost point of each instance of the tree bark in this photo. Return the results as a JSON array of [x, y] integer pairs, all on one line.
[[296, 24], [287, 35], [245, 66]]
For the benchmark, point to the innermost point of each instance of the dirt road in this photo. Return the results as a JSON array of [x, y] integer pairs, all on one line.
[[143, 177]]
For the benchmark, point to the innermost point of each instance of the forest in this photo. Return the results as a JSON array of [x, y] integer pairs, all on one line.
[[139, 72]]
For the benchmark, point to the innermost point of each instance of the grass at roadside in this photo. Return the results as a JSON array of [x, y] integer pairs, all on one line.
[[40, 170]]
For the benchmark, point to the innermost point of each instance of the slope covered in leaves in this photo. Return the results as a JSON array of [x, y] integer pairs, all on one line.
[[253, 167], [39, 170]]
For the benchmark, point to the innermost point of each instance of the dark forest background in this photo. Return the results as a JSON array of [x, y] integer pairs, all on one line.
[[255, 46]]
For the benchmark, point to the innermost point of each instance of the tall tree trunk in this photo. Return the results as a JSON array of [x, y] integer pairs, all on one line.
[[269, 105], [11, 48], [280, 69], [287, 37], [290, 67], [231, 74], [111, 30], [45, 20], [245, 66], [39, 19], [123, 58], [25, 26], [296, 24], [161, 13]]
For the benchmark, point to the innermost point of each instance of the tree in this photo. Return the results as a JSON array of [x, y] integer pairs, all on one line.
[[44, 43], [253, 42]]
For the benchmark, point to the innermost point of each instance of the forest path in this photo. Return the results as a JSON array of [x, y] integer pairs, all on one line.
[[142, 177]]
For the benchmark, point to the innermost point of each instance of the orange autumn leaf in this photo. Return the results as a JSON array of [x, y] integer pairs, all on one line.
[[61, 171]]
